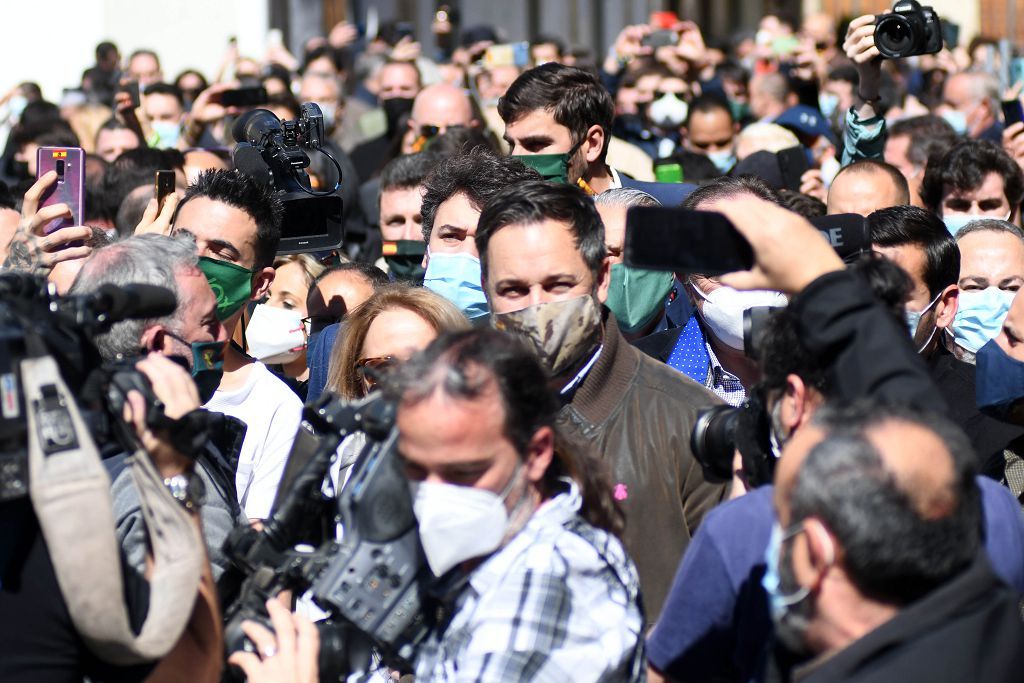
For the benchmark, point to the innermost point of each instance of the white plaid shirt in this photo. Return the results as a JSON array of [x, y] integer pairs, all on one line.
[[560, 603]]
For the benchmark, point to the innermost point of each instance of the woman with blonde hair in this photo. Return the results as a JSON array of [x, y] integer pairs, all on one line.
[[386, 330], [275, 333], [392, 325]]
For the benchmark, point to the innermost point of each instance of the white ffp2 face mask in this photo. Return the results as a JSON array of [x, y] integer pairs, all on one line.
[[275, 335], [723, 310], [459, 523]]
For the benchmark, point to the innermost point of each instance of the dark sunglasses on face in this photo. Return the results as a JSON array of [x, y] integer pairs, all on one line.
[[373, 369]]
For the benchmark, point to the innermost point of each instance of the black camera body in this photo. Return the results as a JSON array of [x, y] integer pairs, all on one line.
[[36, 322], [908, 30], [372, 581], [274, 152], [722, 430]]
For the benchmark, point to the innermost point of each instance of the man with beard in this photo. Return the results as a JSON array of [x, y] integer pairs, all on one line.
[[545, 275]]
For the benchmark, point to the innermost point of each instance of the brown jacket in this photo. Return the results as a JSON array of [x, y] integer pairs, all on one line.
[[638, 414]]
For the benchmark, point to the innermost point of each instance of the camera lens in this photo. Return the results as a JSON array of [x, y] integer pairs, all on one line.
[[713, 441], [894, 36]]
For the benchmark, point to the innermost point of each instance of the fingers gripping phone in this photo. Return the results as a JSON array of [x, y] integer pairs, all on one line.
[[69, 188]]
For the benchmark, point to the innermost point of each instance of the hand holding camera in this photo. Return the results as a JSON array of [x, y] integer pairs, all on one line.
[[177, 393], [290, 657]]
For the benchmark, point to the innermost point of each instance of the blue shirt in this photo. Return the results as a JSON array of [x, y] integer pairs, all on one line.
[[716, 616], [694, 357], [318, 358]]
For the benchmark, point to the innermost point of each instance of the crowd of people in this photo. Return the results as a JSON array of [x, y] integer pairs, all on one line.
[[546, 388]]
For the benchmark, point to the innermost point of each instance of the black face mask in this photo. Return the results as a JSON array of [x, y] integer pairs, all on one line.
[[405, 260], [396, 110]]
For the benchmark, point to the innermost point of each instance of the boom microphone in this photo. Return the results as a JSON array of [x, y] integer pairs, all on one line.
[[132, 302]]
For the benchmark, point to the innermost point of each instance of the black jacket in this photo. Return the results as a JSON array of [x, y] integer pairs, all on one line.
[[966, 630], [956, 382]]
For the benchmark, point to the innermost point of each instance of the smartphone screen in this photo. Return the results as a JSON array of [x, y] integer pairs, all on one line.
[[69, 188], [662, 38], [163, 187], [664, 238]]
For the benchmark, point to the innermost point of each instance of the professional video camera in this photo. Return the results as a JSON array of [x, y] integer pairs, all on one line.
[[370, 582], [908, 30], [274, 152], [35, 322]]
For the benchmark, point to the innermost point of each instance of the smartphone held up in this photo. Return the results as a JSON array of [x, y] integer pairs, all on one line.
[[68, 188]]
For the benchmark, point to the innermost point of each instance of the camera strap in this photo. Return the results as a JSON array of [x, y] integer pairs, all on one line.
[[70, 492]]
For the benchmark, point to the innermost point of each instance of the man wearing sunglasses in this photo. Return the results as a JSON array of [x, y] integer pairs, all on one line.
[[436, 109]]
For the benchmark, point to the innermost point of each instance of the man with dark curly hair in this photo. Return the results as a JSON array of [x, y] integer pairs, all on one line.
[[454, 195], [974, 179]]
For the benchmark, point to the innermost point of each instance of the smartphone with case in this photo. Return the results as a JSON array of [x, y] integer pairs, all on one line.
[[663, 38], [1012, 113], [163, 186], [69, 188], [134, 92], [682, 241]]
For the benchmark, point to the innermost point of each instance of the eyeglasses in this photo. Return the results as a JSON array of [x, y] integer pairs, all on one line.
[[373, 369]]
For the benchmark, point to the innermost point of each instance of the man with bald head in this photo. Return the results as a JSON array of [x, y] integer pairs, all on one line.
[[874, 570], [437, 108], [970, 103], [716, 618], [867, 186]]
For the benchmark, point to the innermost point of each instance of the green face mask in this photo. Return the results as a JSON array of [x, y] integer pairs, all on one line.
[[740, 110], [635, 296], [554, 168], [231, 284], [405, 259]]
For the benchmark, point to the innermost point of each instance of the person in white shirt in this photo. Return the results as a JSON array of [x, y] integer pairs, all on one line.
[[236, 224]]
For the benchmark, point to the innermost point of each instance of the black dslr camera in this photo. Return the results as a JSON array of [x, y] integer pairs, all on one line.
[[720, 431], [908, 30], [274, 152]]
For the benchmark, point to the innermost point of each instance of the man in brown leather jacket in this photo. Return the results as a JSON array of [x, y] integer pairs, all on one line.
[[545, 274]]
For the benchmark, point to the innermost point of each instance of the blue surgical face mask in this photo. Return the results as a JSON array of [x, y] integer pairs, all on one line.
[[789, 626], [723, 159], [914, 317], [456, 277], [167, 133], [828, 103], [955, 222], [956, 119], [999, 383], [980, 316]]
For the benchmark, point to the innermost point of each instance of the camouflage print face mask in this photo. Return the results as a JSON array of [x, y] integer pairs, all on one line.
[[561, 332]]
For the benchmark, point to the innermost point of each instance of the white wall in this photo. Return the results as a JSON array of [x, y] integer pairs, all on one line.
[[53, 41]]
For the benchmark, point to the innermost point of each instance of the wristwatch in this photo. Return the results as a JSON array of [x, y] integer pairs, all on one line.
[[187, 490]]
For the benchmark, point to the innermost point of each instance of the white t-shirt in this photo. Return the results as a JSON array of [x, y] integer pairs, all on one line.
[[272, 413]]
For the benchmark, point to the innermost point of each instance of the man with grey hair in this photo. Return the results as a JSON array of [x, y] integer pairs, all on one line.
[[636, 296], [991, 272], [874, 570], [193, 333], [970, 103]]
